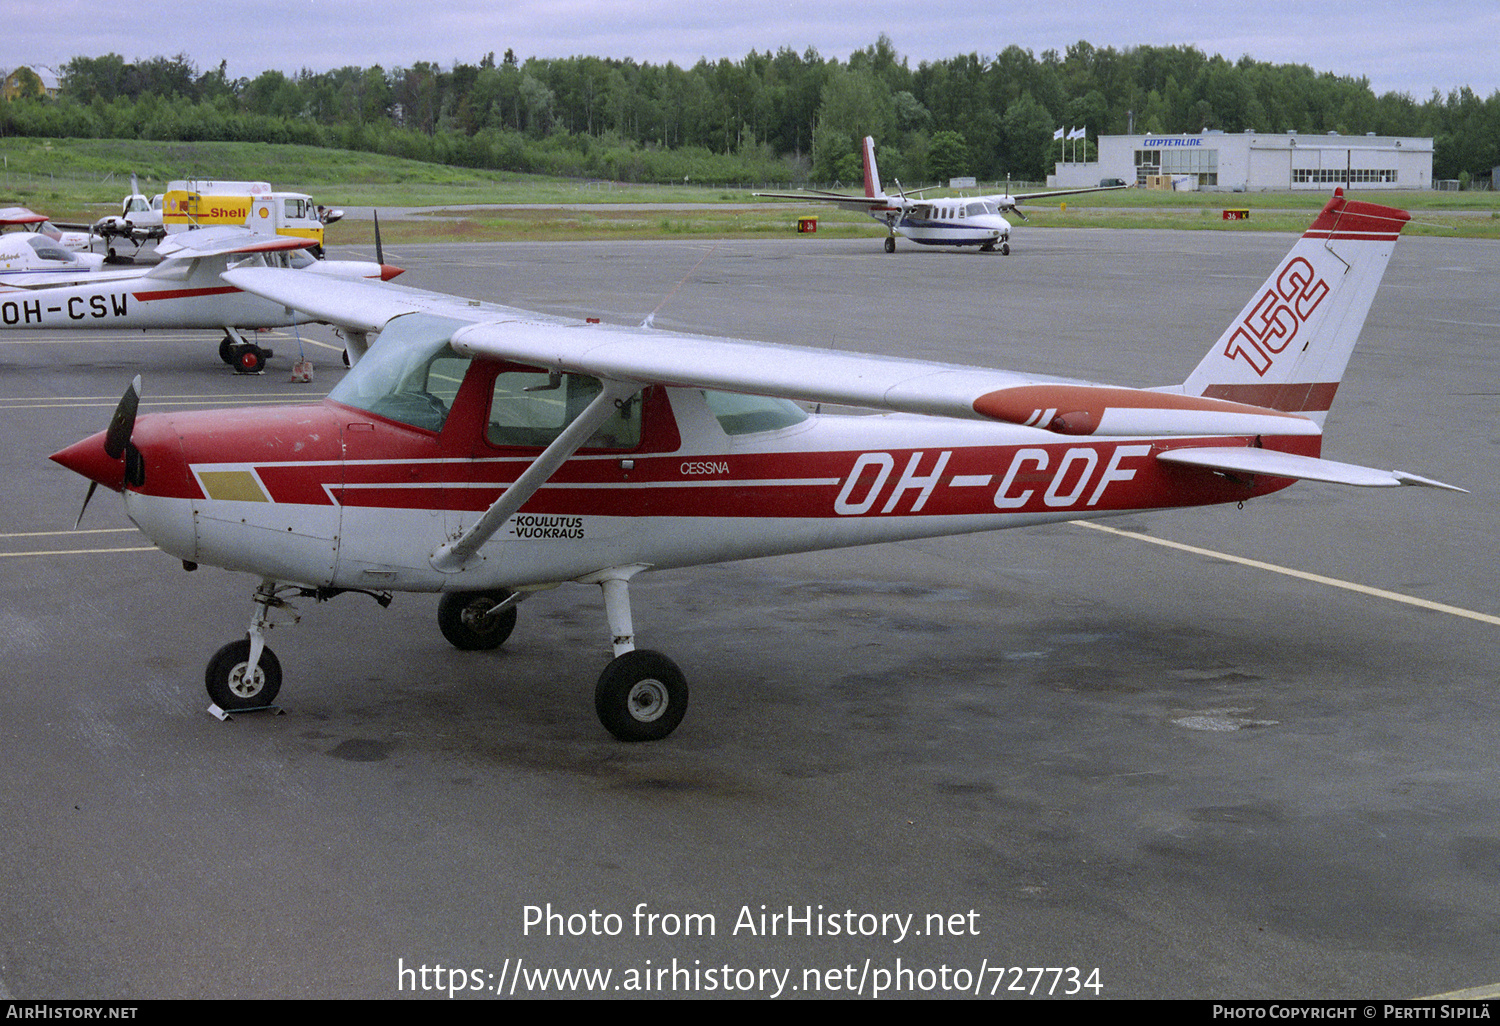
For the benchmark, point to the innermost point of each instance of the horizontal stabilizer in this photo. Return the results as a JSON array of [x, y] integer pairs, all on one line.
[[1270, 463], [862, 204]]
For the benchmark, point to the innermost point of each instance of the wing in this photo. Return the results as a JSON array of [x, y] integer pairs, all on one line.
[[648, 356], [362, 305], [1027, 197], [20, 215], [223, 239]]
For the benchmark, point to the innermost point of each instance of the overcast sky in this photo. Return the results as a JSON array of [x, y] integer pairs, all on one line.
[[1408, 46]]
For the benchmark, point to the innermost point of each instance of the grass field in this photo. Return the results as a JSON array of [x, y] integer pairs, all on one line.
[[82, 179]]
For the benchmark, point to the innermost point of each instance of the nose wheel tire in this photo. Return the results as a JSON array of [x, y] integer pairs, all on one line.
[[890, 244], [233, 684], [465, 620], [641, 696]]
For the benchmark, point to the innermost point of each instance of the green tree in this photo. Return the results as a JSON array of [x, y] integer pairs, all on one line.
[[948, 156]]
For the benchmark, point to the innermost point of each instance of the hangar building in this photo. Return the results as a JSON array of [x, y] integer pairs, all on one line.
[[1256, 162]]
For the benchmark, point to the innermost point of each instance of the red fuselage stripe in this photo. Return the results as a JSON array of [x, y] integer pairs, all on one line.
[[221, 290]]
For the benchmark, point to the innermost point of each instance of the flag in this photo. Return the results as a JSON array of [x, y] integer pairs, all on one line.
[[1057, 134], [1078, 133]]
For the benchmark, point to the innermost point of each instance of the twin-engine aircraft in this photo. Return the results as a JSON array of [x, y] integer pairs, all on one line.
[[139, 220], [485, 453], [184, 290], [954, 221]]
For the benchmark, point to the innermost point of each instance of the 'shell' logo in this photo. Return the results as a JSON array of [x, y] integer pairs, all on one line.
[[1272, 323]]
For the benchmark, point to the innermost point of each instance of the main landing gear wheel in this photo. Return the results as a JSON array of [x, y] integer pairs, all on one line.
[[890, 244], [465, 620], [233, 685], [250, 359], [641, 696], [245, 357]]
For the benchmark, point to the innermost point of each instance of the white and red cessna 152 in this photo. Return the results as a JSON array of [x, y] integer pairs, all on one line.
[[484, 453]]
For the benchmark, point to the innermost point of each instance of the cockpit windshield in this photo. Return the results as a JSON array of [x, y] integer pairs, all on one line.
[[410, 375], [49, 250]]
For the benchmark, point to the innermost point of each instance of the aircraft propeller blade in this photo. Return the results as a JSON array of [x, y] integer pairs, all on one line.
[[117, 435], [86, 497], [379, 250]]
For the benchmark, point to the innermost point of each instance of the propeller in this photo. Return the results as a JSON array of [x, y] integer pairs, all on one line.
[[116, 436], [379, 250]]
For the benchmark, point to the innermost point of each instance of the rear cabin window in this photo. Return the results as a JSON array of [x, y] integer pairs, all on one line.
[[746, 414], [530, 408]]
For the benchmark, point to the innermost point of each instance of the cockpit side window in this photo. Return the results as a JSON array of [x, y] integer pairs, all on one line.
[[529, 408]]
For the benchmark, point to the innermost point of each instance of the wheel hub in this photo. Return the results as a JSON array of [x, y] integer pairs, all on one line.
[[647, 700], [246, 683]]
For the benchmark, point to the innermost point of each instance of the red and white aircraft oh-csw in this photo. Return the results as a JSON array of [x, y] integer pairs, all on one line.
[[485, 453], [183, 290]]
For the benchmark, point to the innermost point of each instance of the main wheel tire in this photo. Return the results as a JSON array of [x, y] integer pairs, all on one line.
[[226, 350], [462, 619], [231, 684], [641, 696]]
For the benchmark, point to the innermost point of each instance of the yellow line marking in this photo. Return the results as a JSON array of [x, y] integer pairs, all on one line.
[[1332, 582], [78, 552], [116, 398], [85, 404], [1486, 992], [66, 534]]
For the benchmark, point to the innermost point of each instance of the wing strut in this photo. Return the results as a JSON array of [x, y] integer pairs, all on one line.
[[455, 555]]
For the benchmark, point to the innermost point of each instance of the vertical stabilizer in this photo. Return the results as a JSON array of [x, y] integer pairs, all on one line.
[[1288, 348], [872, 176]]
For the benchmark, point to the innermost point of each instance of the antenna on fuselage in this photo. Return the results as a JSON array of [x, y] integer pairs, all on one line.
[[651, 317]]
